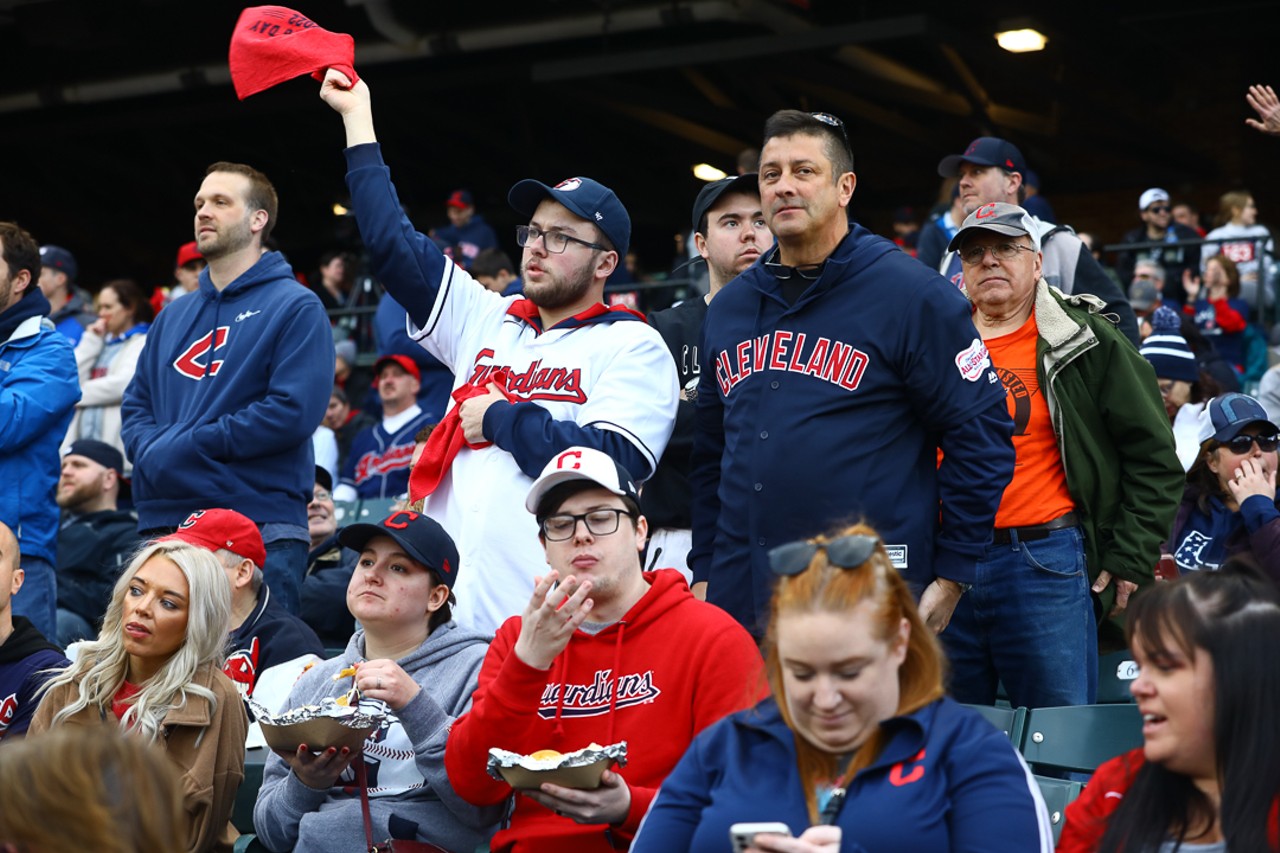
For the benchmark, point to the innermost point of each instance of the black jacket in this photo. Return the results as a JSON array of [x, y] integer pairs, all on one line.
[[92, 551]]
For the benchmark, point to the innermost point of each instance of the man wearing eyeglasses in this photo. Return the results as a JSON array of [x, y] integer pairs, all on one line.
[[831, 370], [993, 169], [533, 376], [1158, 227], [1096, 485], [603, 652]]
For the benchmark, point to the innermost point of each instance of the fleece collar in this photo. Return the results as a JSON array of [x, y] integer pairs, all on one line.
[[599, 313]]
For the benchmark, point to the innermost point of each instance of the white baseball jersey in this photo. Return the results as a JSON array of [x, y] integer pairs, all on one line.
[[614, 376]]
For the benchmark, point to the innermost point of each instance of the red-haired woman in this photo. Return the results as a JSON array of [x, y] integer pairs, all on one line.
[[858, 749]]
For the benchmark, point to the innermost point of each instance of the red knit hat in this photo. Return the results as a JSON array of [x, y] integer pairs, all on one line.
[[272, 44]]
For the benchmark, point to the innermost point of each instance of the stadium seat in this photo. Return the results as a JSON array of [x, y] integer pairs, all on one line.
[[249, 844], [1116, 672], [345, 512], [1080, 737], [374, 509], [247, 793], [1011, 721], [1058, 794]]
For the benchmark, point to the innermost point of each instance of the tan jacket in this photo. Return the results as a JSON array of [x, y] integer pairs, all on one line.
[[208, 750]]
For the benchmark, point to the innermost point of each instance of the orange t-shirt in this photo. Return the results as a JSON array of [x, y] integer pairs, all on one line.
[[1038, 492]]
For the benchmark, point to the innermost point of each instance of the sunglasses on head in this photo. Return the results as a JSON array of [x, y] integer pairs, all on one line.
[[1242, 444], [846, 552]]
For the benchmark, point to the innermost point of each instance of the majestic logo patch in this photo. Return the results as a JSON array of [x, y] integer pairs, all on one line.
[[191, 363], [897, 555], [973, 361], [594, 699]]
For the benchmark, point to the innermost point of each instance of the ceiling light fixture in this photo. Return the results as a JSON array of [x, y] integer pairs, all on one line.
[[1022, 41], [707, 172]]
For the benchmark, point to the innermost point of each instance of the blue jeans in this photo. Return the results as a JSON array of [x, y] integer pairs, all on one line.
[[72, 627], [38, 598], [283, 572], [1028, 622]]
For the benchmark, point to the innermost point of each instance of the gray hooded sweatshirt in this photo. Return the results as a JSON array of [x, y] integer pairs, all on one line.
[[409, 793]]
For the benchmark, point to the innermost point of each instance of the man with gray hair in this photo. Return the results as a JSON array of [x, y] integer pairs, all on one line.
[[263, 633], [1095, 488]]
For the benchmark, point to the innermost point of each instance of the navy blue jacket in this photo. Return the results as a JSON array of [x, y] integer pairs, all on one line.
[[813, 415], [463, 244], [93, 550], [271, 635], [228, 391], [947, 780], [24, 658]]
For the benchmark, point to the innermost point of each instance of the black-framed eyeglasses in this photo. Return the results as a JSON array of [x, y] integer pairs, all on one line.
[[832, 121], [599, 522], [554, 241], [1242, 444], [847, 552], [1159, 208], [973, 255]]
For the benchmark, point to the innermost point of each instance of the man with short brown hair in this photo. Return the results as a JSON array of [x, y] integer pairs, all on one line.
[[231, 383]]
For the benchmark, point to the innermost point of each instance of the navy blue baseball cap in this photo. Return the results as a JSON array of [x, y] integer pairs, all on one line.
[[1227, 415], [59, 259], [591, 200], [710, 194], [422, 538], [985, 151]]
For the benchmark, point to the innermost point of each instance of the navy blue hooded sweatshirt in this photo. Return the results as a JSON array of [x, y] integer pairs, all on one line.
[[228, 391], [814, 415]]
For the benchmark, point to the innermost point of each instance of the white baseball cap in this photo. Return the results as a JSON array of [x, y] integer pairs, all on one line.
[[582, 463], [1152, 196]]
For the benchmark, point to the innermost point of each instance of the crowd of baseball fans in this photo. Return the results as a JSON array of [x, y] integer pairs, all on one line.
[[773, 534]]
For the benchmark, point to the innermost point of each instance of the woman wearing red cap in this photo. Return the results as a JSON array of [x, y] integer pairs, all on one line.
[[156, 672]]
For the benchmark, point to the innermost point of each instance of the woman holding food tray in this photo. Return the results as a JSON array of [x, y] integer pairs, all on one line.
[[410, 655]]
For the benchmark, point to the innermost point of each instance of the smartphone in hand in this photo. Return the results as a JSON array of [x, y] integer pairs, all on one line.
[[743, 835]]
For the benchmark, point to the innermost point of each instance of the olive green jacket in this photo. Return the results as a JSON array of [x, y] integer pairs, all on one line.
[[1114, 436]]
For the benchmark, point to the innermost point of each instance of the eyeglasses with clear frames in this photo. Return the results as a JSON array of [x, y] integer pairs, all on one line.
[[973, 255], [599, 522], [321, 495], [554, 241]]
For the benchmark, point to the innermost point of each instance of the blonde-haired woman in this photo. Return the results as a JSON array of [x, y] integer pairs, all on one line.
[[858, 749], [156, 672], [78, 789]]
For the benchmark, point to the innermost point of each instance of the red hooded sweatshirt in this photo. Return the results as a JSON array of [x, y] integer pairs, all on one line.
[[669, 668]]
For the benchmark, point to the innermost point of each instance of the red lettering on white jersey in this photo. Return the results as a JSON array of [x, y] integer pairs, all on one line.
[[374, 464], [536, 383]]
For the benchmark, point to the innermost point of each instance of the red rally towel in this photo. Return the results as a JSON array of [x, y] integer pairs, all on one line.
[[447, 438], [272, 44]]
